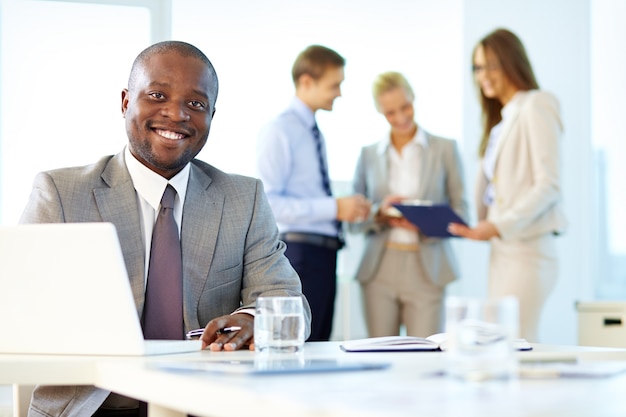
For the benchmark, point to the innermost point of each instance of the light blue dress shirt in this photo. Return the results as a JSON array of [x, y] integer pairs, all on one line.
[[287, 164]]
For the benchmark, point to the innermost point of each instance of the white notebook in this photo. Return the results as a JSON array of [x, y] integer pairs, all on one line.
[[64, 289], [437, 341]]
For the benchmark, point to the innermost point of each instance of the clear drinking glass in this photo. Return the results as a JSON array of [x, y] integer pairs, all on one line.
[[480, 338], [279, 325]]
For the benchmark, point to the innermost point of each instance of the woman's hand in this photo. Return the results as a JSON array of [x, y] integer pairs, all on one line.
[[386, 214], [484, 230]]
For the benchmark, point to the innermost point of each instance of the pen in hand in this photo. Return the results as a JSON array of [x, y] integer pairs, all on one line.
[[198, 332], [228, 330]]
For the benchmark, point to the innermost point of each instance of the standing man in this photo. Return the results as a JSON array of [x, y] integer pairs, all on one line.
[[291, 161], [225, 237]]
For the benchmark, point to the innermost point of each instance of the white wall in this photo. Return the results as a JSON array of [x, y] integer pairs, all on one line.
[[253, 45]]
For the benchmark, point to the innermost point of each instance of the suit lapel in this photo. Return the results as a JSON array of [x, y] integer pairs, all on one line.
[[201, 221], [118, 205], [425, 161], [380, 160]]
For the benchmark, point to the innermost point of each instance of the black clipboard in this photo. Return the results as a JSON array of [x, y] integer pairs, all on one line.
[[432, 219]]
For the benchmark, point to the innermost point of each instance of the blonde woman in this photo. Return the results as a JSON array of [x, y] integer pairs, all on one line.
[[403, 273], [518, 193]]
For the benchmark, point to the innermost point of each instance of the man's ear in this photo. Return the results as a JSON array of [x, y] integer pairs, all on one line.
[[124, 101], [305, 81]]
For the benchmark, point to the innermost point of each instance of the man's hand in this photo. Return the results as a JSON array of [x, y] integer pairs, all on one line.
[[484, 230], [229, 341], [354, 208]]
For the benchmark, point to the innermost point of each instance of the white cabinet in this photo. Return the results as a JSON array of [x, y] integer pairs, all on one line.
[[602, 323]]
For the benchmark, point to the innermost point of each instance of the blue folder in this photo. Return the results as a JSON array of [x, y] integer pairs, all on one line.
[[432, 220]]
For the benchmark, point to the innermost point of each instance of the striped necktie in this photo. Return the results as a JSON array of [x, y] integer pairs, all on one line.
[[325, 179], [320, 157]]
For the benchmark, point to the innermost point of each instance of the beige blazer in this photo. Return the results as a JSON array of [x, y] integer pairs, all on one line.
[[526, 177], [440, 181], [231, 251]]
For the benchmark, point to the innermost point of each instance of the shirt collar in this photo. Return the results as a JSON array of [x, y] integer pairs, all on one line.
[[303, 112], [150, 185], [513, 104], [420, 138]]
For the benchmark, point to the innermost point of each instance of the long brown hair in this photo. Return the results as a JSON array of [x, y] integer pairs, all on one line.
[[515, 65]]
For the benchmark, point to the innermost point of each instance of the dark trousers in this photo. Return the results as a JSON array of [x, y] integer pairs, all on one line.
[[142, 411], [108, 412], [316, 267]]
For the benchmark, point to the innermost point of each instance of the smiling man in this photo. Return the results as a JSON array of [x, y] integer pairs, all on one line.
[[291, 161], [223, 248], [168, 114]]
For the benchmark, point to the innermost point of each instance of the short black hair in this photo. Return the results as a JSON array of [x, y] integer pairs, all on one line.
[[181, 48]]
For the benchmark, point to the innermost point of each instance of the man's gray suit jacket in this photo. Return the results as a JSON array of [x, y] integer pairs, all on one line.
[[230, 246]]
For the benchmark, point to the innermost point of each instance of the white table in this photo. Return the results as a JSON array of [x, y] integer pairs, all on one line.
[[410, 387]]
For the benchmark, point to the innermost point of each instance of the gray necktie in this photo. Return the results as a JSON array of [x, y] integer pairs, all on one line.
[[163, 309]]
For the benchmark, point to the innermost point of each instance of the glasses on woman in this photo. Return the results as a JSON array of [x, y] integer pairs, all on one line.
[[489, 67]]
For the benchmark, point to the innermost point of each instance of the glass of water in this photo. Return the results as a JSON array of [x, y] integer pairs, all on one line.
[[480, 338], [279, 325]]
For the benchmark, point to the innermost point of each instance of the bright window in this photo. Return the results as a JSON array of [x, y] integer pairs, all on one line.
[[63, 67], [608, 79]]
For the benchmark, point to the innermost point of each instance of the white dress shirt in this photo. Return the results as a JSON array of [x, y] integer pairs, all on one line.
[[489, 160], [404, 173], [150, 187]]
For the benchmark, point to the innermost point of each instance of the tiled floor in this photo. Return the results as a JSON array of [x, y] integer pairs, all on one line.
[[6, 401]]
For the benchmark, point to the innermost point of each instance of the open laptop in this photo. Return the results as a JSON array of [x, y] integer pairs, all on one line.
[[64, 289]]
